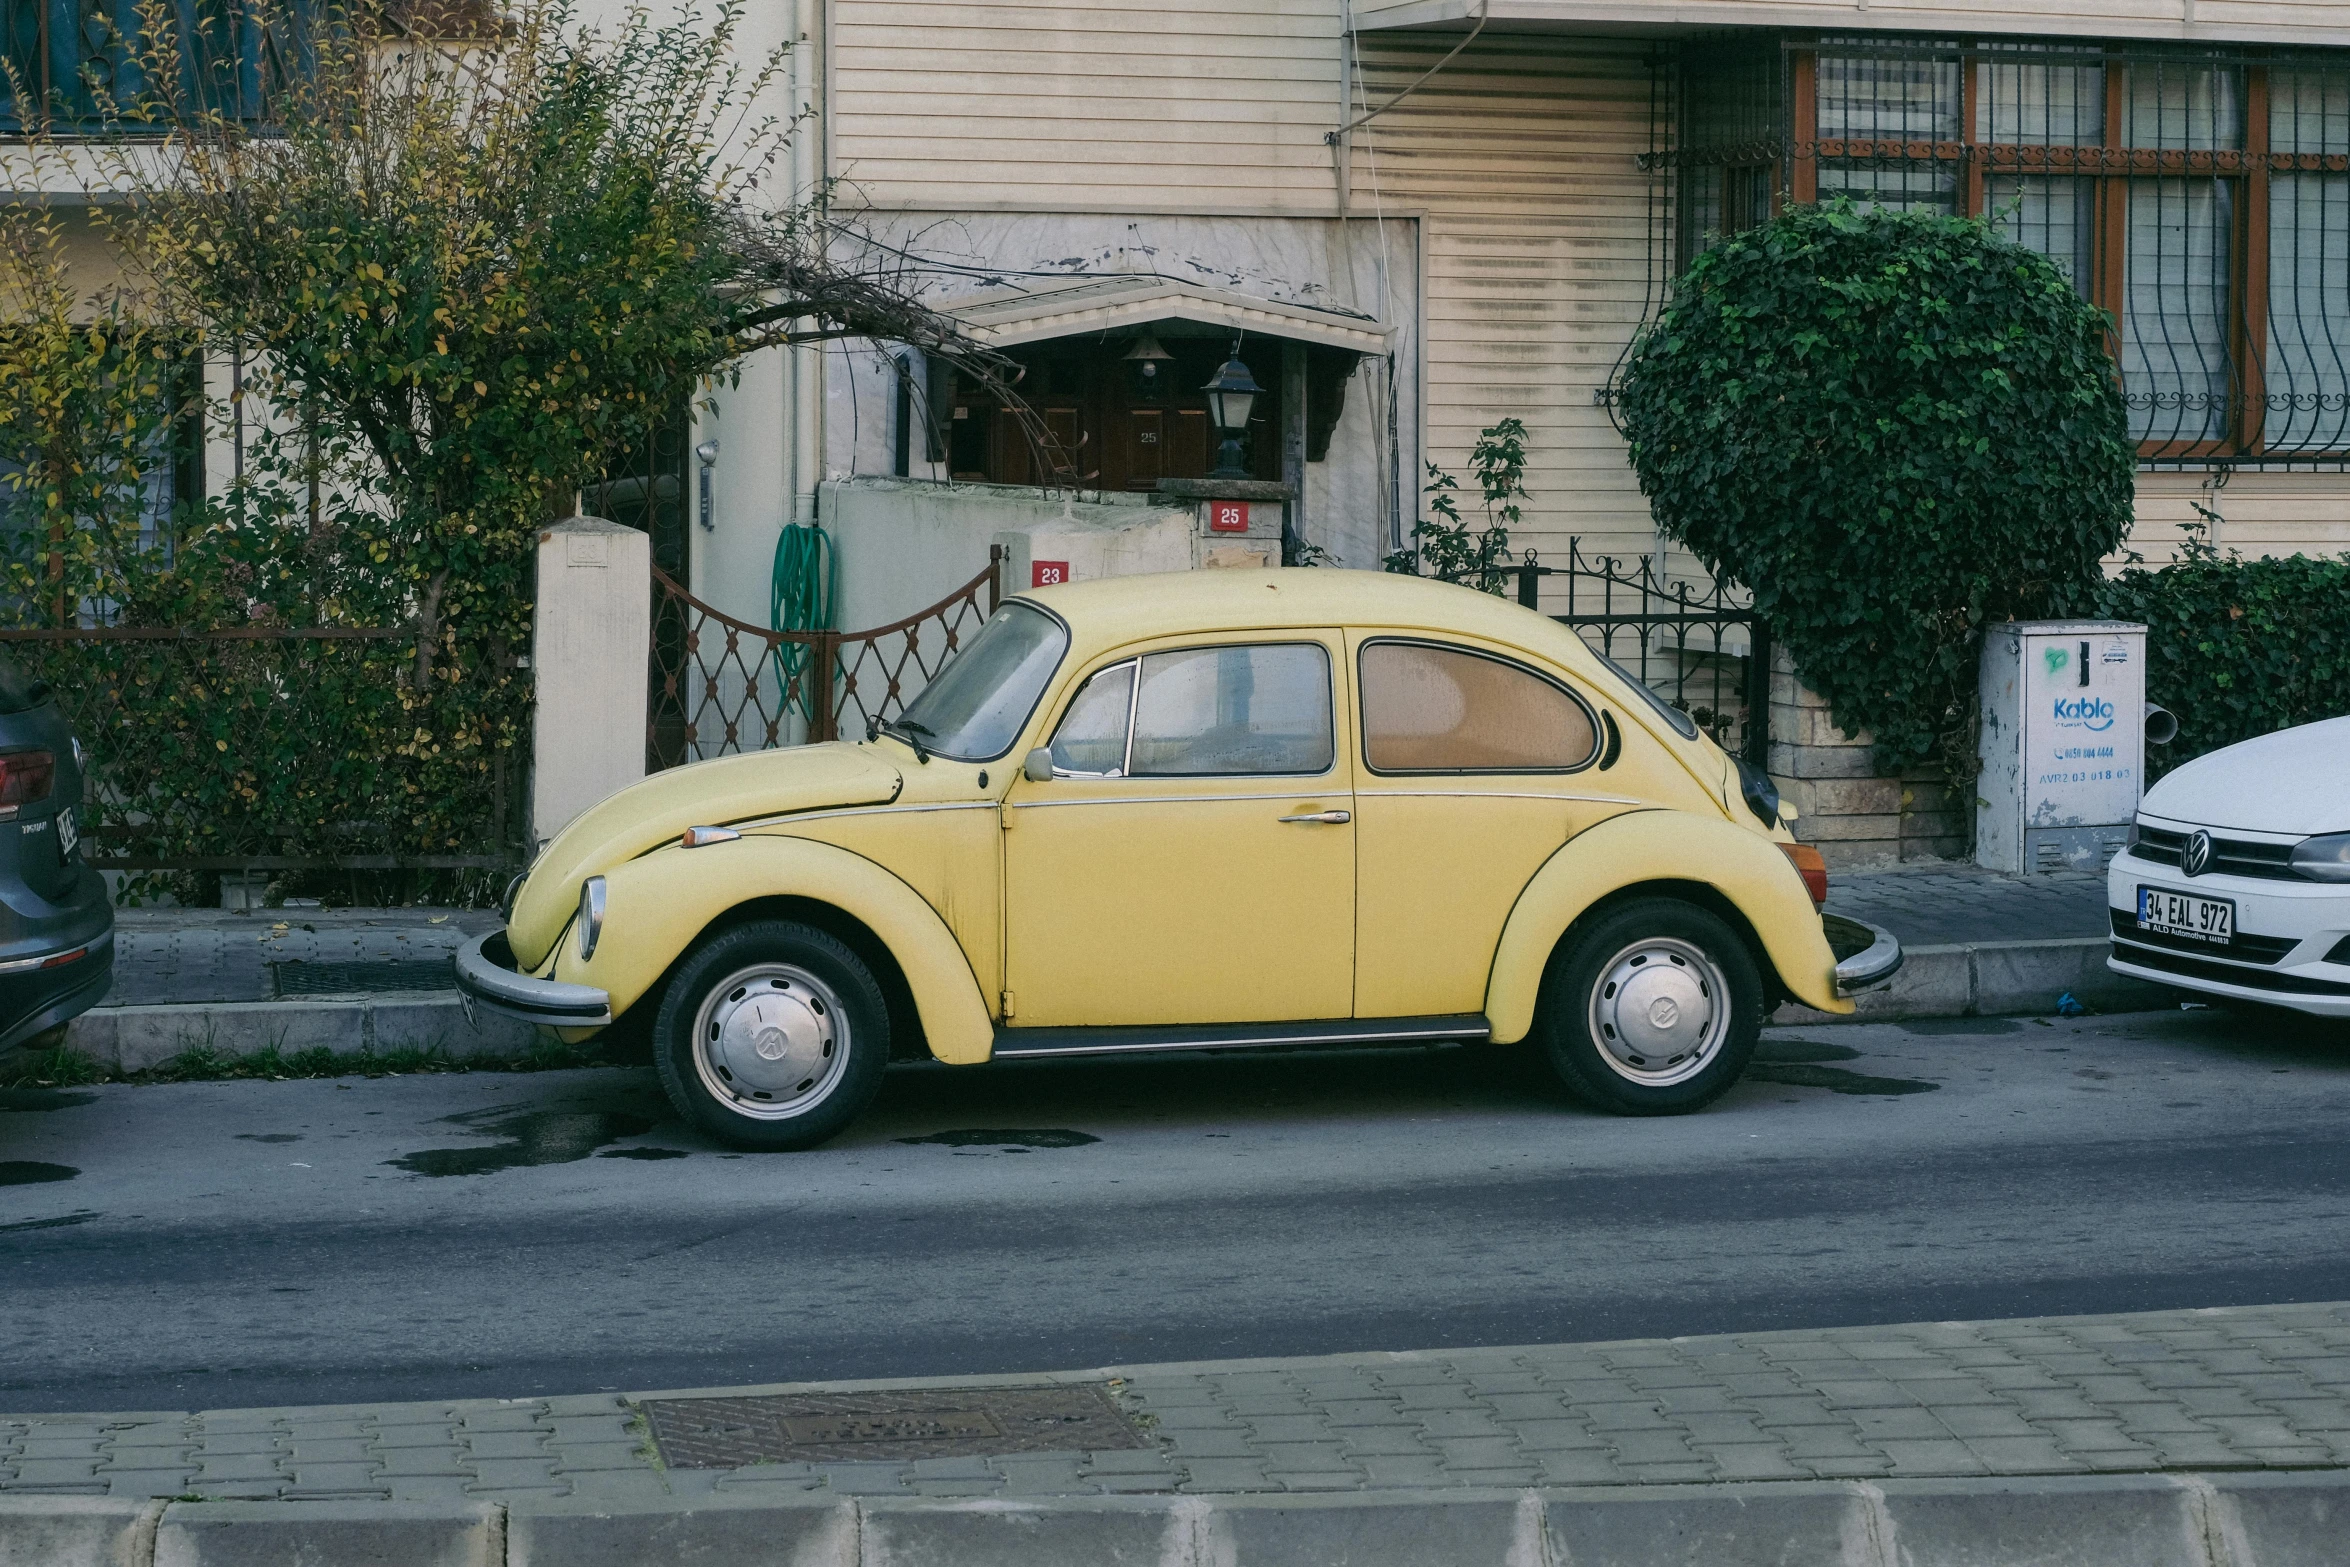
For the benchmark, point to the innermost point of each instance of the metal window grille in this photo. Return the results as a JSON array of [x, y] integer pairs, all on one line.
[[2201, 196]]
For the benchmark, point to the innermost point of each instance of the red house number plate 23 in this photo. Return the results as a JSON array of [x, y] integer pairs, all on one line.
[[1045, 573]]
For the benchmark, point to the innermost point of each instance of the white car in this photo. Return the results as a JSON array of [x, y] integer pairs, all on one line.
[[2236, 881]]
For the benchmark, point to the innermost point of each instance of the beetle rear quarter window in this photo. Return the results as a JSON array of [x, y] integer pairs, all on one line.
[[1433, 709]]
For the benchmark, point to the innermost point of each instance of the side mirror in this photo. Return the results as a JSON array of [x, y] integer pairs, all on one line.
[[1038, 768], [2162, 725]]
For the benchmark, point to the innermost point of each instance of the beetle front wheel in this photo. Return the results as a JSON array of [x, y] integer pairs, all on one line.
[[772, 1036], [1652, 1010]]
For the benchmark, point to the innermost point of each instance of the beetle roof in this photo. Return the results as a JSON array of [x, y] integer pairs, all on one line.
[[1112, 611]]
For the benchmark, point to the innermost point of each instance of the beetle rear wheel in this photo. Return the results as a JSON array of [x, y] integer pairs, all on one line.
[[1653, 1010], [772, 1035]]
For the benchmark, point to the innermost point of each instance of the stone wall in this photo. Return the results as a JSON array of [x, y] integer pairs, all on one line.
[[1853, 813]]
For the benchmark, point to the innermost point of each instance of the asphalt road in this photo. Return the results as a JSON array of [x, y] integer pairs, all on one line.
[[246, 1244]]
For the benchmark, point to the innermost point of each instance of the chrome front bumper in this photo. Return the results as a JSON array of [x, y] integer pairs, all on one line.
[[487, 977], [1866, 955]]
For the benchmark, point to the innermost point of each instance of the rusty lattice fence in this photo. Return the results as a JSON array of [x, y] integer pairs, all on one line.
[[721, 685]]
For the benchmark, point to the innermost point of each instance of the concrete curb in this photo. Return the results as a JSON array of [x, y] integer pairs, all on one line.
[[1981, 979], [2276, 1519], [1995, 979], [132, 1039]]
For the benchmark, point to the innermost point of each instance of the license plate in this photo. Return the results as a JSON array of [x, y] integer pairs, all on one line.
[[2176, 914], [68, 834]]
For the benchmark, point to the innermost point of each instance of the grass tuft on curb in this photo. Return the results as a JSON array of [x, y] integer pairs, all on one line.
[[65, 1067]]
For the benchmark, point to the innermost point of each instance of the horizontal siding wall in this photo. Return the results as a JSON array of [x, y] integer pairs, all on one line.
[[2266, 21], [1216, 104], [1521, 154], [2262, 513]]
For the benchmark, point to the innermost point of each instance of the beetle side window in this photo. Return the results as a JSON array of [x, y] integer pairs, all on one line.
[[1091, 742], [1433, 709], [1233, 711]]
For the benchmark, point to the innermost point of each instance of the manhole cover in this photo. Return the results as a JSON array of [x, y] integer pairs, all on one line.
[[299, 978], [819, 1428]]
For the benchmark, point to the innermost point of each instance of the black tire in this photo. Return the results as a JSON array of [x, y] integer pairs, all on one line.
[[771, 1036], [1618, 1019]]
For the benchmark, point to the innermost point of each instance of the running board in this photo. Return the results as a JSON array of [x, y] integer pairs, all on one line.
[[1028, 1043]]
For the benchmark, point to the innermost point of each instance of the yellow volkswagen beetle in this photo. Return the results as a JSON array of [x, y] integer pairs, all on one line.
[[1216, 810]]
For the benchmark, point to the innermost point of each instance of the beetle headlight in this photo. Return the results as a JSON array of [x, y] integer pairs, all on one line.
[[591, 916], [2323, 859]]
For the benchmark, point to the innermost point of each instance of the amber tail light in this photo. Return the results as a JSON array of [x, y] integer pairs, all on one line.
[[25, 776], [1811, 868]]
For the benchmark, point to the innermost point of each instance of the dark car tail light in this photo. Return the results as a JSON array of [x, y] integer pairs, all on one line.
[[25, 776], [1812, 868]]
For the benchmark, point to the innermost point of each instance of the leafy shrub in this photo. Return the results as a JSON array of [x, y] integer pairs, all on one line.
[[1893, 428], [2236, 648], [1444, 546]]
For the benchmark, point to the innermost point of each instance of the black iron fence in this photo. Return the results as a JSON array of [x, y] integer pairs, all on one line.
[[721, 685], [1697, 645]]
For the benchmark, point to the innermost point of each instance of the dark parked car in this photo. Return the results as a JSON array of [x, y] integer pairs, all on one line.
[[56, 921]]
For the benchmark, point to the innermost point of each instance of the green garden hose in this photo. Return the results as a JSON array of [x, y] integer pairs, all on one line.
[[800, 597]]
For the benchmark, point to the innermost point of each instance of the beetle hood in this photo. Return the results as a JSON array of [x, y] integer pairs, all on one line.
[[646, 815]]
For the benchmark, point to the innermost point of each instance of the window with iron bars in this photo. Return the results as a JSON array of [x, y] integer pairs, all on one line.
[[2201, 197], [76, 66]]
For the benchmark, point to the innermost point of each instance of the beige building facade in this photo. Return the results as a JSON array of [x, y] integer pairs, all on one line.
[[1506, 188]]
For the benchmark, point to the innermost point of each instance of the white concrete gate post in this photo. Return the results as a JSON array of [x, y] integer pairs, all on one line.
[[591, 644]]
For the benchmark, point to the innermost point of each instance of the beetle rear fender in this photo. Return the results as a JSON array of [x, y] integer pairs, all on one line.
[[1643, 848], [662, 903]]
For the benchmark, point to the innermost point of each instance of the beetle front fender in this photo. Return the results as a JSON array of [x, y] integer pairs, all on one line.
[[659, 903], [1657, 846]]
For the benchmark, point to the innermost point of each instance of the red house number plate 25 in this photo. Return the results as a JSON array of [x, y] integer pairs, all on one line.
[[1045, 573], [1228, 516]]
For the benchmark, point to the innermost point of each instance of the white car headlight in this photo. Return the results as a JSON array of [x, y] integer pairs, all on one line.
[[591, 916], [2323, 859]]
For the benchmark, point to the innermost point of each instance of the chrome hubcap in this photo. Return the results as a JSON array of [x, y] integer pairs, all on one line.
[[1660, 1012], [771, 1041]]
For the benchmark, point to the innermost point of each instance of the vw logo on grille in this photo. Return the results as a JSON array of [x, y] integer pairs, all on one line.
[[2195, 858]]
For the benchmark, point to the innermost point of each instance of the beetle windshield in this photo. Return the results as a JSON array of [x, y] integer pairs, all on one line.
[[973, 711]]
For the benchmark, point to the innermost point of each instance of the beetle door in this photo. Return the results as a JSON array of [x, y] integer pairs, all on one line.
[[1192, 861]]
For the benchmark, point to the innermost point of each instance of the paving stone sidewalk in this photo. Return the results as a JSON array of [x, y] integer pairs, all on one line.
[[193, 956], [1944, 904], [2227, 1389]]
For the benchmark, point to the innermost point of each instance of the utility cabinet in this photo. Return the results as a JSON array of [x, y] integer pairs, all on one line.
[[2063, 745]]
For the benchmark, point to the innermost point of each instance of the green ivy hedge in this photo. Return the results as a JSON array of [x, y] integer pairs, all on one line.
[[1894, 428], [2237, 648]]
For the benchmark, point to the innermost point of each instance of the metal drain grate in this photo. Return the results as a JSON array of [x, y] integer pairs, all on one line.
[[820, 1428], [298, 978]]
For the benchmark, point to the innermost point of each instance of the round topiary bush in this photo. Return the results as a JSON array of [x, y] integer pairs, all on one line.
[[1894, 428]]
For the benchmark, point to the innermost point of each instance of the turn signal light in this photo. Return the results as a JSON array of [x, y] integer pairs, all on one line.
[[1811, 868], [25, 776]]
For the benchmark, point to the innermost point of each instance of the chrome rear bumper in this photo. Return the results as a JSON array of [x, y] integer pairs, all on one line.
[[1866, 955], [487, 977]]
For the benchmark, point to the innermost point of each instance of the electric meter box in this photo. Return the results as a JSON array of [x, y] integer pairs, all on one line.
[[2063, 746]]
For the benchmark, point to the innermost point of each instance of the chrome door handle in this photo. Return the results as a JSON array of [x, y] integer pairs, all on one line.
[[1333, 818]]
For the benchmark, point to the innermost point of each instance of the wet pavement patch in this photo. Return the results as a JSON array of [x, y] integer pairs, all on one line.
[[1803, 1050], [35, 1099], [888, 1425], [1932, 1026], [528, 1137], [269, 1137], [988, 1137], [1795, 1063], [644, 1153], [59, 1223], [31, 1172]]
